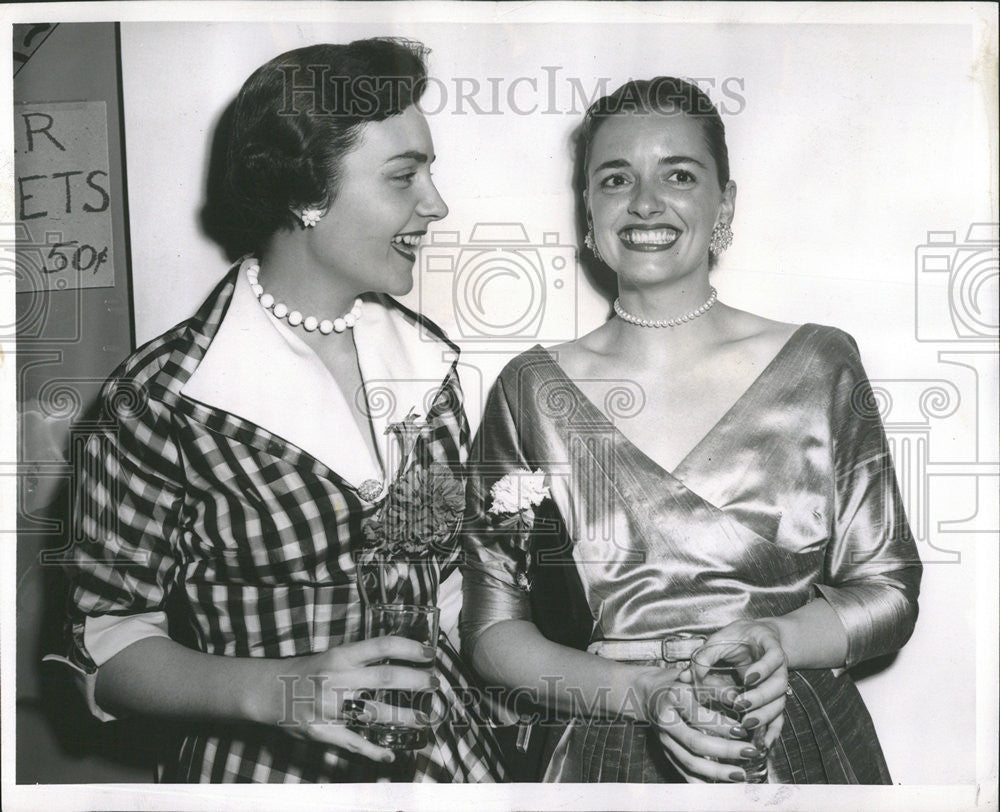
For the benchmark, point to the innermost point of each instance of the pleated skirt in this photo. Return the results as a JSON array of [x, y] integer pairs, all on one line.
[[828, 738]]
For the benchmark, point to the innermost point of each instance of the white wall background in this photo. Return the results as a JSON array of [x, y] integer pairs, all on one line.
[[852, 142]]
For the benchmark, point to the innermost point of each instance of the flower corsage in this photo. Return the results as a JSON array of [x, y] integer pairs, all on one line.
[[514, 498], [409, 531]]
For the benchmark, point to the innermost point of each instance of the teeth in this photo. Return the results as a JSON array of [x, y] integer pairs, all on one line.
[[661, 236], [411, 240]]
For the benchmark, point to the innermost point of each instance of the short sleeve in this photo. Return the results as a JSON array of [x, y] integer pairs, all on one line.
[[126, 508], [494, 562], [872, 570]]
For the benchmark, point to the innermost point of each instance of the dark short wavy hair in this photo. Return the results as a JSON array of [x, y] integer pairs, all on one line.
[[296, 117], [662, 94]]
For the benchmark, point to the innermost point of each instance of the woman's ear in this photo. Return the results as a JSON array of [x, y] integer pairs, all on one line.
[[727, 208]]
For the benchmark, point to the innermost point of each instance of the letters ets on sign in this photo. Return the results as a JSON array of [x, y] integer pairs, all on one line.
[[62, 196]]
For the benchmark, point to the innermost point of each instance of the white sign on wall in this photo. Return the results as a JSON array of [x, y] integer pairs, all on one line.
[[62, 196]]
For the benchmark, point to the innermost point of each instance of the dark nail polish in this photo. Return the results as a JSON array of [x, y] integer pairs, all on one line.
[[750, 752], [742, 705], [751, 723], [737, 732], [751, 679], [435, 682], [737, 775], [430, 652], [388, 758]]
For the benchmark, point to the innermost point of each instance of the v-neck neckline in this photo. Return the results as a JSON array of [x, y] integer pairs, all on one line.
[[745, 396]]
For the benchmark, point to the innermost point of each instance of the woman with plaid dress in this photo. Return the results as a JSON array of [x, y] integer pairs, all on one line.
[[237, 456]]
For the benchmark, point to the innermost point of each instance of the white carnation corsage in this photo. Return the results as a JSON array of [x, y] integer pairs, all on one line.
[[517, 492], [514, 498]]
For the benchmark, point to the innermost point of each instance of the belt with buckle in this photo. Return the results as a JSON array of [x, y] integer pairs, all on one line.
[[673, 648]]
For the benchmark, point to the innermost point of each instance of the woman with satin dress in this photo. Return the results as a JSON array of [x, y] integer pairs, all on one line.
[[221, 496], [712, 476]]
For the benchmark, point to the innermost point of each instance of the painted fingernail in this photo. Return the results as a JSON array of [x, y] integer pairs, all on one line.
[[737, 732], [435, 682], [737, 775], [742, 705], [751, 723], [388, 757], [751, 679], [430, 652], [750, 752]]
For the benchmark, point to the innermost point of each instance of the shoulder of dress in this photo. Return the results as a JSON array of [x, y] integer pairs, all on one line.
[[161, 361], [831, 345], [145, 366], [526, 372], [532, 360]]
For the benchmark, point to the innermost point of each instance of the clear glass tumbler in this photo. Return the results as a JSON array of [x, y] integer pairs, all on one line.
[[718, 672], [415, 622]]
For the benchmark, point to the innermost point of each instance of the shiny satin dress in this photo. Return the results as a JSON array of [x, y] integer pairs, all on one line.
[[791, 497]]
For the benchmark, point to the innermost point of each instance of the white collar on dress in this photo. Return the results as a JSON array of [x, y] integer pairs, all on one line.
[[258, 368]]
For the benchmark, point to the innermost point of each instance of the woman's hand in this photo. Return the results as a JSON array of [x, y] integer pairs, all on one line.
[[691, 734], [316, 696], [763, 701]]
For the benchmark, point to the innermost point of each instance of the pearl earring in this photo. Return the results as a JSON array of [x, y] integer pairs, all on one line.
[[722, 238]]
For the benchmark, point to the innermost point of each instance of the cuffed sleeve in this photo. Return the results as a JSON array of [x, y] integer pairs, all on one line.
[[126, 526], [104, 637], [495, 559], [872, 571], [108, 635]]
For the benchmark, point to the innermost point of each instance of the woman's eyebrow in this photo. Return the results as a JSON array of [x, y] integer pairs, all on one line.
[[616, 163], [666, 160], [671, 160], [412, 155]]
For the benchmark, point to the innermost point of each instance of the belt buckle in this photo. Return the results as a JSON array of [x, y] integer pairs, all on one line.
[[678, 648]]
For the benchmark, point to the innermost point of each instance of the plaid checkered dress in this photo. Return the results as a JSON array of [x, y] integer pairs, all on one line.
[[253, 538]]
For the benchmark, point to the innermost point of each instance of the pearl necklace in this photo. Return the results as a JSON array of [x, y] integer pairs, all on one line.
[[295, 318], [674, 322]]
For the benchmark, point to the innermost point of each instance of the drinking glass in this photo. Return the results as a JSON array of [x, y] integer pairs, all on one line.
[[718, 672], [415, 622]]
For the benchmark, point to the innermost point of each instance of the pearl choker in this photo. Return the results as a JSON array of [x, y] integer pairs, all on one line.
[[294, 317], [674, 322]]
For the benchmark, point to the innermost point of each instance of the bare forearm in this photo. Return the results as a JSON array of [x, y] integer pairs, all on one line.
[[515, 654], [161, 677], [812, 636]]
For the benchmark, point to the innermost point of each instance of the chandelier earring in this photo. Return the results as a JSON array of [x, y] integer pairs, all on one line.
[[722, 238], [591, 243]]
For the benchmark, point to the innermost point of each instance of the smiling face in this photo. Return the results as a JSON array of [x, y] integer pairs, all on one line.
[[653, 195], [384, 201]]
